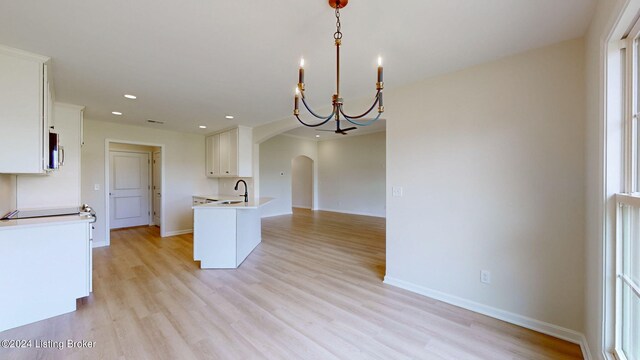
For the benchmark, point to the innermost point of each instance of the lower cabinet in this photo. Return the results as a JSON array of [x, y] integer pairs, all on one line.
[[223, 238], [43, 270]]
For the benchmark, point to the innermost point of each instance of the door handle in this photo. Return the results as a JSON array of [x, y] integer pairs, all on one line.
[[62, 156]]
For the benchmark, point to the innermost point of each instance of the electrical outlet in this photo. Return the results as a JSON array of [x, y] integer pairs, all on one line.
[[485, 276], [396, 191]]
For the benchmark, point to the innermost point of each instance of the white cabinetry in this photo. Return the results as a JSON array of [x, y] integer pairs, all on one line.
[[229, 153], [213, 155], [25, 112], [44, 268], [224, 237]]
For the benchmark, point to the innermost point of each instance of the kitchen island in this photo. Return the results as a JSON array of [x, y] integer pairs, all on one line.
[[225, 230]]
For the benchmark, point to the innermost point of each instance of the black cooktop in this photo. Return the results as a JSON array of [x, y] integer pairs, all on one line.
[[29, 214]]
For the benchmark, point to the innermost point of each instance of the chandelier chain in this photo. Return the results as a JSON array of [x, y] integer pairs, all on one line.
[[338, 34]]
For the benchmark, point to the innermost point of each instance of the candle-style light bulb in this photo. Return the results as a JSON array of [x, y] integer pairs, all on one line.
[[380, 70], [379, 60], [301, 72]]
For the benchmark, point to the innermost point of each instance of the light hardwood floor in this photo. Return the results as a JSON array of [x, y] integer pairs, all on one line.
[[312, 290]]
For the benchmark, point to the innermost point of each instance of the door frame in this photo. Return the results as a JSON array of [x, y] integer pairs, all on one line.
[[153, 192], [107, 186]]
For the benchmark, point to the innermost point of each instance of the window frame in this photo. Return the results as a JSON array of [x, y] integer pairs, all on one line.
[[630, 195]]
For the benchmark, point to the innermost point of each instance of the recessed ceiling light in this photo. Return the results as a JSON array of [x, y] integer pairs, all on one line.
[[202, 127], [132, 97], [116, 113], [317, 135], [228, 117]]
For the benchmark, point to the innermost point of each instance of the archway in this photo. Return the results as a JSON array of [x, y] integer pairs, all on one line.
[[302, 182]]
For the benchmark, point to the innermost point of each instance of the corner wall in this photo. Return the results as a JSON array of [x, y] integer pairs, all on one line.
[[352, 174], [183, 167], [276, 155], [491, 159]]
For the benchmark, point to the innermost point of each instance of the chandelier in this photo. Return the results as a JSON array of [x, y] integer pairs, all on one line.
[[337, 101]]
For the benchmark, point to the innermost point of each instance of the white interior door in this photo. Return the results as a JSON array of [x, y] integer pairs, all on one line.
[[128, 189], [157, 186]]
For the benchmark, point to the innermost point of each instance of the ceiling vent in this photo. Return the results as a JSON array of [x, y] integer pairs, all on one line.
[[155, 122]]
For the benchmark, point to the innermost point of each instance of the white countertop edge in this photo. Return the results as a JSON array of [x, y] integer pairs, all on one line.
[[252, 204], [44, 221]]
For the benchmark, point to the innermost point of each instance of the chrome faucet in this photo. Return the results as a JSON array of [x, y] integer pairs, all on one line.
[[246, 194]]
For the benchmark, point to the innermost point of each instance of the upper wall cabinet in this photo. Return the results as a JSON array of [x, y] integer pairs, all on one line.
[[26, 103], [229, 153]]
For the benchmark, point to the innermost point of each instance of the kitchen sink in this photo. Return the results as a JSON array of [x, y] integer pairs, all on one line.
[[228, 202]]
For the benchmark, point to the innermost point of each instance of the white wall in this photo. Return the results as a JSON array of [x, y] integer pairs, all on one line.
[[302, 182], [275, 158], [7, 193], [352, 174], [61, 188], [491, 159], [184, 168]]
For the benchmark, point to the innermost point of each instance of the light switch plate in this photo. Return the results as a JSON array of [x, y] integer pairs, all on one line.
[[396, 191]]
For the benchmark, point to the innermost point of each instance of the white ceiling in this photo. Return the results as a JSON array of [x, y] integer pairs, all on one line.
[[190, 62], [327, 131]]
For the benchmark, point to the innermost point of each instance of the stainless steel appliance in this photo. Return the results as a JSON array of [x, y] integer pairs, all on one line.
[[56, 152]]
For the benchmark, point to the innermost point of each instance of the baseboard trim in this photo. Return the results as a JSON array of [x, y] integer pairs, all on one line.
[[351, 212], [97, 244], [177, 232], [516, 319]]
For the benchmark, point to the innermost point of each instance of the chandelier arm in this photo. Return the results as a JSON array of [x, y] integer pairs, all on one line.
[[316, 115], [314, 125], [367, 123], [366, 112]]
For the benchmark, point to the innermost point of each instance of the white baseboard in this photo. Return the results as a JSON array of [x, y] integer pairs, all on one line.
[[520, 320], [97, 244], [352, 212], [177, 232]]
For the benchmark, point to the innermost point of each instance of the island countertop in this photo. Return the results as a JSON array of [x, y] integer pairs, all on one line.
[[219, 204]]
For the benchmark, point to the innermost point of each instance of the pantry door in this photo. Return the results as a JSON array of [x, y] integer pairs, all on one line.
[[129, 189]]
